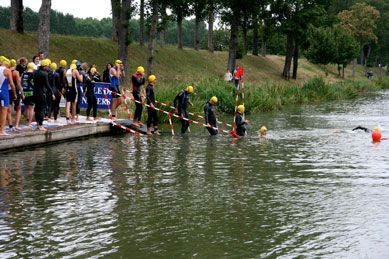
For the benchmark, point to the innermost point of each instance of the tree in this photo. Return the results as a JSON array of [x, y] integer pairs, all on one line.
[[16, 21], [152, 38], [321, 46], [142, 22], [115, 7], [199, 8], [163, 24], [180, 10], [44, 27], [211, 18], [361, 21]]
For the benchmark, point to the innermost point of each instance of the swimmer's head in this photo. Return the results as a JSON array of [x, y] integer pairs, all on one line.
[[263, 130]]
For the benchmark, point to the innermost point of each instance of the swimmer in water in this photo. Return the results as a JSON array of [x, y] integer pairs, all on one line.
[[263, 132]]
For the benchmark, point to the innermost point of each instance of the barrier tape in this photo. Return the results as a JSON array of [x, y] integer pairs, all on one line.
[[171, 125], [169, 113], [236, 105], [190, 113]]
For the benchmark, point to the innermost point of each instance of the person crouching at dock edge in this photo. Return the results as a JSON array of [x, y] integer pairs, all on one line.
[[5, 79], [115, 73], [89, 92], [210, 117], [41, 86], [152, 113], [240, 122]]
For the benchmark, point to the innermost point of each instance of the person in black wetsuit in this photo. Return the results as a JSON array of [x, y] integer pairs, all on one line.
[[240, 122], [54, 81], [181, 103], [81, 70], [62, 77], [89, 92], [138, 79], [152, 113], [41, 86], [28, 89], [210, 117]]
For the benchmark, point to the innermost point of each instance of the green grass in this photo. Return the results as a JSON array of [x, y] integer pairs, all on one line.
[[175, 69]]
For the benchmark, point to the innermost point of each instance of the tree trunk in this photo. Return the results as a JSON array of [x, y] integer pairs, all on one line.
[[152, 39], [196, 34], [142, 23], [339, 70], [179, 32], [343, 72], [387, 69], [164, 21], [367, 56], [296, 58], [115, 7], [354, 67], [211, 19], [44, 28], [255, 39], [325, 70], [288, 57], [233, 42], [244, 30], [362, 56], [263, 49], [162, 38], [381, 70], [17, 16], [123, 36]]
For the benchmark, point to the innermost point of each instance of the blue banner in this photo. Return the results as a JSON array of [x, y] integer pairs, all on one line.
[[101, 101]]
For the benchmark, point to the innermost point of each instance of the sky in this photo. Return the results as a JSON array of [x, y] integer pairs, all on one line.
[[78, 8]]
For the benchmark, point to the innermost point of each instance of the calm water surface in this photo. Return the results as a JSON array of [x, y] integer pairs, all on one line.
[[305, 192]]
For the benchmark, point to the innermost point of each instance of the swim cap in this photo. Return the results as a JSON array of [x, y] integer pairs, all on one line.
[[12, 62], [53, 66], [93, 69], [263, 129], [376, 128], [139, 69], [74, 61], [30, 66], [214, 99], [118, 61], [190, 89], [78, 63], [240, 108], [63, 63], [6, 61], [152, 78], [73, 66]]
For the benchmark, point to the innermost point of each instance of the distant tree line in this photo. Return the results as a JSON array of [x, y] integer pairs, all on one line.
[[325, 31]]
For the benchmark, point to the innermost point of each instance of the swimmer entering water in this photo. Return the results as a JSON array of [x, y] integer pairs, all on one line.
[[263, 132]]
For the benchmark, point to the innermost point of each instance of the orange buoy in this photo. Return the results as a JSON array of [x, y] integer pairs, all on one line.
[[376, 135]]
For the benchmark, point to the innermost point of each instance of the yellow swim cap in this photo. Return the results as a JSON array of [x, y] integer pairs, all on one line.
[[30, 66], [376, 128], [263, 129], [140, 69], [2, 58], [63, 63], [118, 61], [190, 89], [74, 61], [49, 61], [6, 61], [93, 69], [214, 99], [152, 78], [45, 62], [53, 66], [240, 108], [12, 62], [73, 66]]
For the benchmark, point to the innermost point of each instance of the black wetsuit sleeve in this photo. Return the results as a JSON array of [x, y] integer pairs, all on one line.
[[239, 120], [87, 81], [30, 77], [176, 99], [148, 94], [57, 82], [206, 113], [47, 84]]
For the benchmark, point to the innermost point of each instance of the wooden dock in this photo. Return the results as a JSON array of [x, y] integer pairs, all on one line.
[[61, 132]]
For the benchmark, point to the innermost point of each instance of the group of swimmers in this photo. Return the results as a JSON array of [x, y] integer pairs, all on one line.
[[41, 84]]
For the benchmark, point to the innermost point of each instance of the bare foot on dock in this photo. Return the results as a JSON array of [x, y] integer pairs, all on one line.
[[56, 121], [40, 128], [140, 123], [18, 128], [89, 119], [156, 132], [115, 119], [3, 133], [97, 118], [135, 124]]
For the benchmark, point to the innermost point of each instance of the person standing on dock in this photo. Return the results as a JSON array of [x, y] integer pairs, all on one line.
[[79, 79], [152, 113], [71, 93], [5, 82], [54, 80], [210, 117], [28, 89], [41, 86], [240, 122], [138, 79], [181, 103], [17, 100], [62, 76], [115, 73], [89, 92]]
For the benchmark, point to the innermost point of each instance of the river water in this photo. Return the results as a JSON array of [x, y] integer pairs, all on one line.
[[303, 192]]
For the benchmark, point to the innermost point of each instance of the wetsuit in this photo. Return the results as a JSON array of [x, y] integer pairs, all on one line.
[[114, 85], [152, 114], [210, 117], [363, 128], [89, 89], [136, 86], [54, 82], [11, 93], [20, 68], [28, 88], [240, 125], [61, 71], [78, 100], [71, 89], [41, 86], [4, 94], [181, 103]]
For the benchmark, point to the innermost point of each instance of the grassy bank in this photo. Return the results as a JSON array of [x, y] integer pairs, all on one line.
[[175, 69]]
